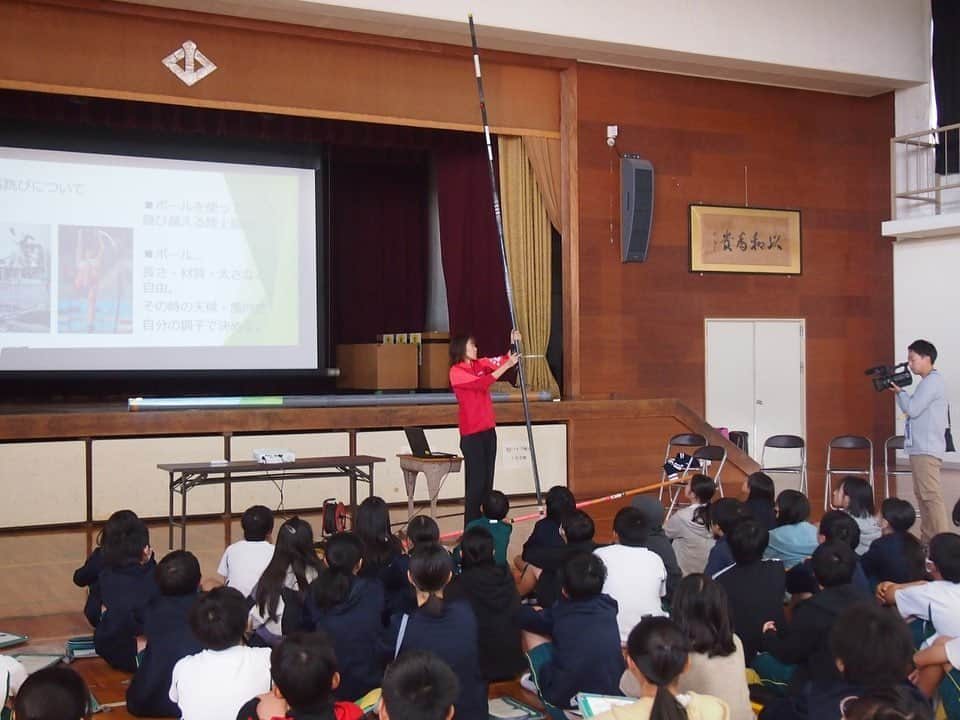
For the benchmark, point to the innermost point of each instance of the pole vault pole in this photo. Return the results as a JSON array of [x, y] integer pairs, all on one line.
[[503, 255]]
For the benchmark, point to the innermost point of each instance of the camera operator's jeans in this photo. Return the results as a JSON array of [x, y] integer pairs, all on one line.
[[926, 486]]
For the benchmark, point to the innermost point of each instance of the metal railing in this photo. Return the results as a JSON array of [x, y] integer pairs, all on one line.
[[921, 164]]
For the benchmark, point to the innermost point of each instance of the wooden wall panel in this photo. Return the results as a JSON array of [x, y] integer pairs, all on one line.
[[115, 50], [642, 325]]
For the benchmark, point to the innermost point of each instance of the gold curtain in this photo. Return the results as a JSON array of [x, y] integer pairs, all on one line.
[[544, 156], [526, 229]]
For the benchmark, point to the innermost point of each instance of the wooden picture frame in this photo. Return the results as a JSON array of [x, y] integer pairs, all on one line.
[[732, 239]]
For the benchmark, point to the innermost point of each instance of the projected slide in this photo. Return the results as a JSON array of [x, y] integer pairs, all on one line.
[[121, 263]]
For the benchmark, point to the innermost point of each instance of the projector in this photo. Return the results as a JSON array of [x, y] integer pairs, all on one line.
[[273, 456]]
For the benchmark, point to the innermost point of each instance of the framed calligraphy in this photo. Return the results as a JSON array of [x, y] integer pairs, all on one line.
[[744, 240]]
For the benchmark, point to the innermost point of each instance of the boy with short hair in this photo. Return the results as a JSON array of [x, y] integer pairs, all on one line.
[[418, 686], [494, 508], [169, 637], [575, 645], [636, 577], [834, 525], [804, 642], [53, 693], [754, 586], [896, 556], [215, 683], [244, 561], [724, 514], [304, 671], [577, 530]]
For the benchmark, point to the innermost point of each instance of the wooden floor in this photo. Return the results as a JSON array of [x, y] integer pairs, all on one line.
[[40, 600]]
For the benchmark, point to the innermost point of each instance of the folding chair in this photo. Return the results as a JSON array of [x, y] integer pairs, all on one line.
[[847, 442], [688, 443], [706, 455], [786, 442], [893, 443]]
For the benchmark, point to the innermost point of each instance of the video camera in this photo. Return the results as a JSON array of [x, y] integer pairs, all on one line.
[[883, 376]]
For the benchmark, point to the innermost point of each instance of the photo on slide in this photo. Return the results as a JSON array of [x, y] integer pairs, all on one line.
[[24, 278], [95, 280]]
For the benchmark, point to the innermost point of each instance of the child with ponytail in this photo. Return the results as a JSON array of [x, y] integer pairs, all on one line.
[[657, 655], [349, 608], [689, 527], [448, 629]]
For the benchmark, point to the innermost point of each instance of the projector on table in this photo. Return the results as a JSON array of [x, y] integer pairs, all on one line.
[[273, 456]]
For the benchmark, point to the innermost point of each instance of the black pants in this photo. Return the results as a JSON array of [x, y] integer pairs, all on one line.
[[479, 456]]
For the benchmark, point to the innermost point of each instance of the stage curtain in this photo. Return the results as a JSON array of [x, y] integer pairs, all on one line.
[[378, 248], [527, 233], [470, 248], [946, 82], [544, 157]]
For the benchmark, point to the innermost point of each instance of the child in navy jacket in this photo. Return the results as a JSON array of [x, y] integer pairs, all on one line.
[[896, 556], [166, 626], [349, 609], [88, 575], [575, 645], [127, 586]]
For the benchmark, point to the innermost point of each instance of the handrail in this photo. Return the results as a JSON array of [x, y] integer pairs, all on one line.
[[915, 162]]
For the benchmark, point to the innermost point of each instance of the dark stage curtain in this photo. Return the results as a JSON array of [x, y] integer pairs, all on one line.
[[946, 81], [378, 248], [472, 264]]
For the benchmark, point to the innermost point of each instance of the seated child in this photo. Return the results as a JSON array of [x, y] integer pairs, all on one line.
[[491, 592], [724, 514], [575, 645], [243, 562], [716, 666], [448, 629], [216, 682], [381, 547], [304, 671], [166, 626], [657, 541], [281, 589], [578, 531], [871, 648], [689, 527], [422, 531], [834, 525], [855, 497], [419, 686], [127, 585], [53, 693], [760, 492], [636, 577], [896, 703], [896, 556], [794, 539], [88, 575], [494, 508], [754, 586], [349, 609], [545, 538], [657, 658], [804, 641], [937, 601]]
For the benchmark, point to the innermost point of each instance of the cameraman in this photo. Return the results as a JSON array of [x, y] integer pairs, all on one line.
[[926, 412]]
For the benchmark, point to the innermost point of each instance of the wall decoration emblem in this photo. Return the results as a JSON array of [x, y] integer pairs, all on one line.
[[744, 240], [195, 65]]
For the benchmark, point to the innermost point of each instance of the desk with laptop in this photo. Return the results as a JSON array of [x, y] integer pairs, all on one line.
[[435, 467]]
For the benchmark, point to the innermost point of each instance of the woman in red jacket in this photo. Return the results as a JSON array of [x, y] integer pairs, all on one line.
[[471, 378]]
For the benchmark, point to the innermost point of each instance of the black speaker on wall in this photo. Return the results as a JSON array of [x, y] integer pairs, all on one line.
[[636, 207]]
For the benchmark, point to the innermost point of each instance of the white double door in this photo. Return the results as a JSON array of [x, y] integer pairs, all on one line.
[[755, 380]]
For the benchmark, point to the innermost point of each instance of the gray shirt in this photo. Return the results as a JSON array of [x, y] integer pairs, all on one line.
[[926, 412]]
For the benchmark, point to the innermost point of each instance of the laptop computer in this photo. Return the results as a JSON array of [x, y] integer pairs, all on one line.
[[419, 447]]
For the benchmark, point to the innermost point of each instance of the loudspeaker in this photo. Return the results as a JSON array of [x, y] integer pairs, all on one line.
[[636, 207]]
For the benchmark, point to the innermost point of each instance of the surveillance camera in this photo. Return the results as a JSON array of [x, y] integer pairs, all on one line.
[[611, 141]]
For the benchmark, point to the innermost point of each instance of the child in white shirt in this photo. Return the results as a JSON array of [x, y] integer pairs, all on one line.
[[215, 683], [243, 562]]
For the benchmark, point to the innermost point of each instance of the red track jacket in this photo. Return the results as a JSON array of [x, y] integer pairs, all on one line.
[[471, 381]]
